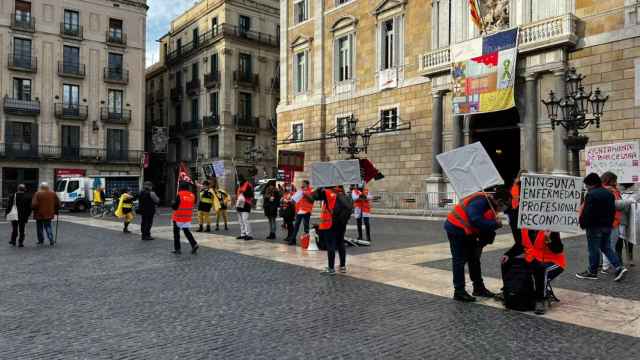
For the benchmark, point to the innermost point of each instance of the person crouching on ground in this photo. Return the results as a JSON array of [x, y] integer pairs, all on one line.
[[204, 207], [182, 216], [544, 254], [125, 210], [330, 231], [596, 217], [471, 219]]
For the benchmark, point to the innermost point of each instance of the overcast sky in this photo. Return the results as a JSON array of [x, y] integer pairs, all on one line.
[[158, 19]]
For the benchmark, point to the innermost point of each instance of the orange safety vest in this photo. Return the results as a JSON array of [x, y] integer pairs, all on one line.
[[304, 205], [244, 187], [540, 251], [364, 205], [184, 213], [515, 196], [326, 215], [458, 216], [617, 195]]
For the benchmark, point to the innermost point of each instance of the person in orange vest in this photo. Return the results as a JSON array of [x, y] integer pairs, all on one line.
[[513, 210], [544, 253], [331, 233], [471, 220], [182, 217], [245, 195], [610, 182], [362, 207], [303, 199]]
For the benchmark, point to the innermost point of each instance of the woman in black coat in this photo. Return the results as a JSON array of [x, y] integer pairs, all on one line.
[[271, 203], [22, 201]]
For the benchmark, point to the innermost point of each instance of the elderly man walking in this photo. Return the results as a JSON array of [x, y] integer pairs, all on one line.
[[45, 205]]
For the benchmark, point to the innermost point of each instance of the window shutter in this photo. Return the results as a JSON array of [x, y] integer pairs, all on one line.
[[296, 75], [396, 41], [351, 57], [306, 71], [336, 60], [380, 45]]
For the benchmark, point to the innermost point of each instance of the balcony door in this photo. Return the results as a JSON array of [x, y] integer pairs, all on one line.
[[22, 89], [244, 24], [245, 66], [115, 103], [115, 30], [71, 22], [71, 59], [70, 142], [21, 139], [115, 66], [71, 99], [117, 144], [23, 11], [244, 108], [22, 52]]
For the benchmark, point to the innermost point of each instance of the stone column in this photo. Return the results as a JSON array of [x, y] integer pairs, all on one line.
[[436, 133], [560, 153], [531, 123], [457, 139]]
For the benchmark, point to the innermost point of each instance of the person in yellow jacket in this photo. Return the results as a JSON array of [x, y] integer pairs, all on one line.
[[98, 196], [204, 207], [125, 209], [221, 202]]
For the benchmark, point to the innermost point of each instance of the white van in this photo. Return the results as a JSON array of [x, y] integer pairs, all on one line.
[[75, 193]]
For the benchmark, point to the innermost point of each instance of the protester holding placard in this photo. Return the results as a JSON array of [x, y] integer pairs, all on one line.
[[513, 210], [473, 218], [596, 217]]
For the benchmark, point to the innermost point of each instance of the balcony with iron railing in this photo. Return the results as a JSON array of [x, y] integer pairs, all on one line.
[[116, 75], [212, 79], [245, 79], [193, 87], [23, 62], [71, 31], [246, 123], [176, 94], [116, 37], [23, 22], [223, 30], [71, 69], [112, 116], [71, 111], [211, 122], [21, 107], [26, 151], [547, 33]]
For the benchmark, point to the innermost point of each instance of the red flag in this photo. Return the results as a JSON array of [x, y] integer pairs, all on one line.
[[475, 14], [183, 174]]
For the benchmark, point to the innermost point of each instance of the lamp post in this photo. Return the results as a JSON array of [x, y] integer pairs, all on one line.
[[347, 138], [578, 111]]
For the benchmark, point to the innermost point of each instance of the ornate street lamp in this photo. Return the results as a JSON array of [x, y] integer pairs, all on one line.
[[575, 108]]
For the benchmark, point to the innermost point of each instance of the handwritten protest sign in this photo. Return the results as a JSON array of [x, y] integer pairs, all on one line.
[[550, 202], [622, 159], [469, 169]]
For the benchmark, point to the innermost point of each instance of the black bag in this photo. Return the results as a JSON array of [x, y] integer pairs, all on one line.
[[518, 287], [343, 209]]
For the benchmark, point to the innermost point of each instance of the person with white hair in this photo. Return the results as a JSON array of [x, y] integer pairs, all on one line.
[[45, 205]]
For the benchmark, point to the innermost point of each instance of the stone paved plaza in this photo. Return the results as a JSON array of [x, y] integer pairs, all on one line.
[[101, 294]]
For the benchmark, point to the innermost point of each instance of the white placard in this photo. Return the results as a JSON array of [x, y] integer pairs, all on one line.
[[218, 168], [549, 202], [469, 169], [335, 173], [622, 159]]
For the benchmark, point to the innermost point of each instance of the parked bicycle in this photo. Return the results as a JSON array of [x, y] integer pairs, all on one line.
[[103, 210]]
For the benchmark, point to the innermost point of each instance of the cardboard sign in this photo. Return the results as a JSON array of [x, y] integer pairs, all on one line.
[[335, 173], [622, 159], [469, 169], [550, 202]]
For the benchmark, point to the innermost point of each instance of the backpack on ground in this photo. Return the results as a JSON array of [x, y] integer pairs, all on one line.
[[343, 210], [518, 287]]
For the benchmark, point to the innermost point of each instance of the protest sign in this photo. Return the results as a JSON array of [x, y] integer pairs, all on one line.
[[218, 168], [549, 202], [622, 159], [334, 173], [469, 169]]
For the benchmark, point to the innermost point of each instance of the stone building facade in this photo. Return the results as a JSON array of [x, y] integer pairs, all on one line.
[[72, 91], [221, 60], [598, 38]]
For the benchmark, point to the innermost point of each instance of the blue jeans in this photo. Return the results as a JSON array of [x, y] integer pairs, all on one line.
[[42, 226], [465, 250], [598, 240], [299, 219]]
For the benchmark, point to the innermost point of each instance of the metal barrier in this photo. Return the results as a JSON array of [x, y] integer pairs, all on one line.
[[413, 200]]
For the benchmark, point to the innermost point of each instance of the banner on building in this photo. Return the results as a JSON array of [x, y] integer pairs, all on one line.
[[483, 72], [159, 139], [335, 173], [469, 169], [549, 202], [622, 159]]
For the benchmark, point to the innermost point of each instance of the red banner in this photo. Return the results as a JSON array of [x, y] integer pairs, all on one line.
[[70, 173]]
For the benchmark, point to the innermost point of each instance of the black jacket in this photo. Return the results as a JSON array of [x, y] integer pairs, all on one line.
[[147, 203], [599, 209], [23, 204], [271, 206]]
